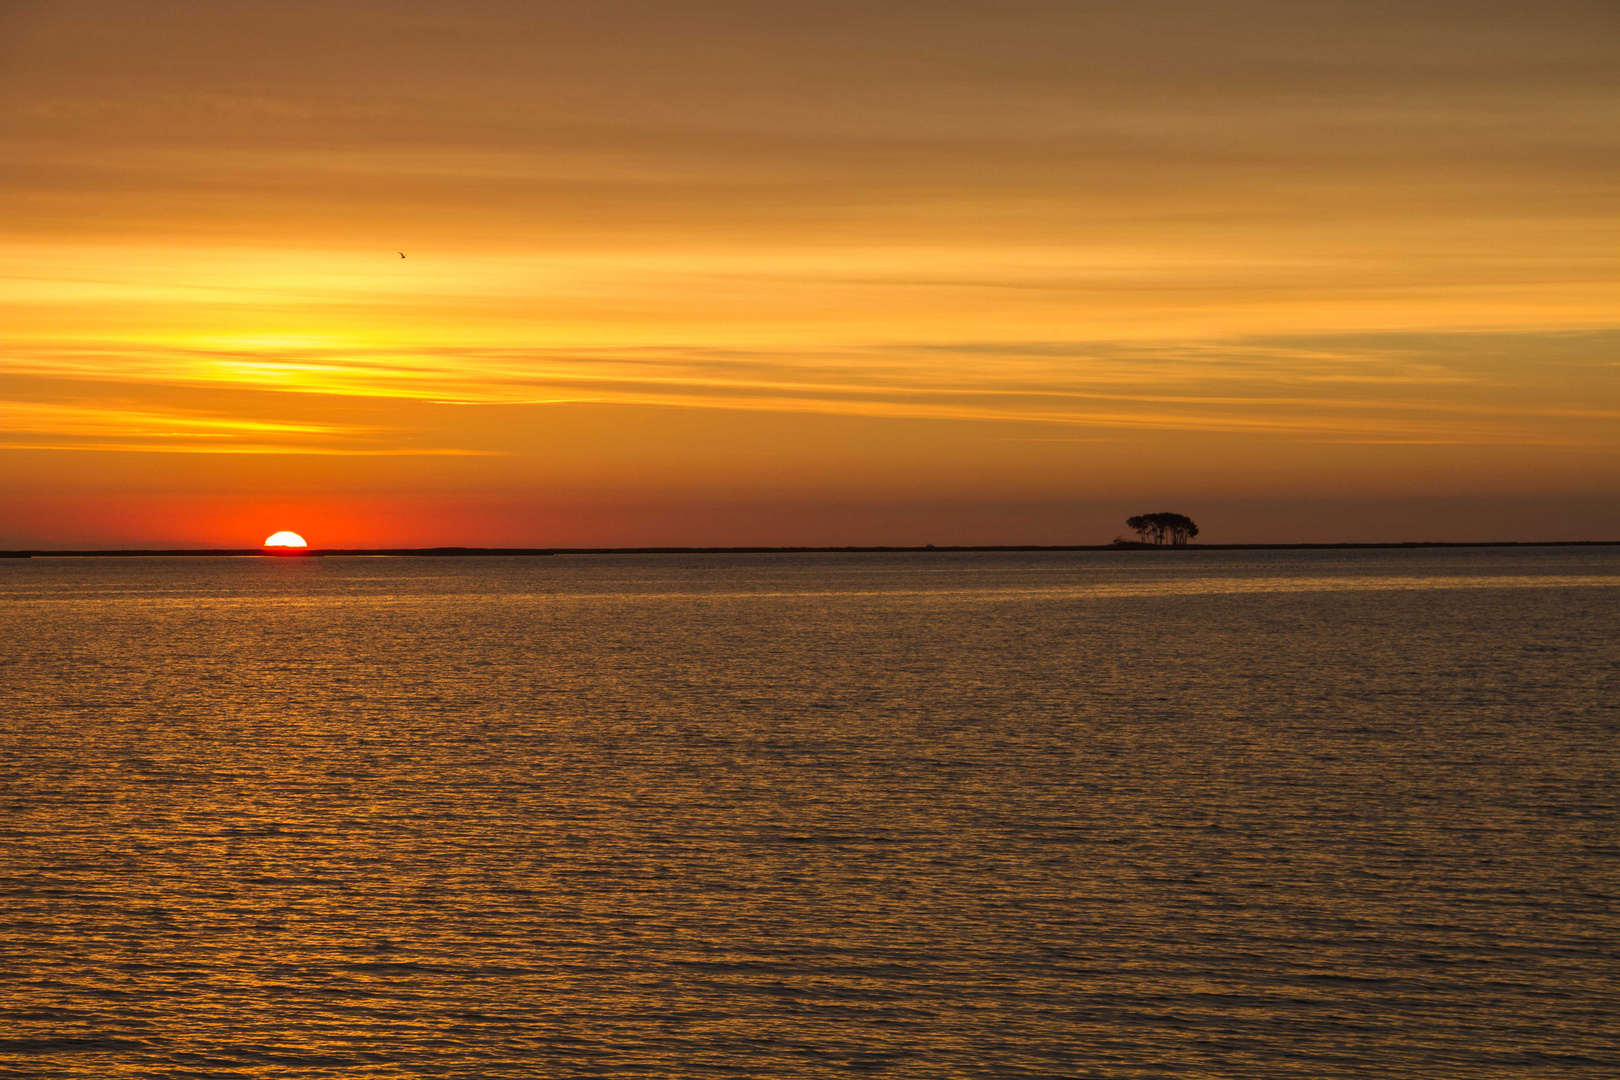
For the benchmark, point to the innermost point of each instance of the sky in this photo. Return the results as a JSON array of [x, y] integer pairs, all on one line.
[[807, 273]]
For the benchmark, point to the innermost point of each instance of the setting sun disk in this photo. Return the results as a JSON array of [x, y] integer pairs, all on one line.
[[285, 540]]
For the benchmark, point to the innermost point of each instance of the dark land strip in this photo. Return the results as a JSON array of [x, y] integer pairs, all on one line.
[[921, 549]]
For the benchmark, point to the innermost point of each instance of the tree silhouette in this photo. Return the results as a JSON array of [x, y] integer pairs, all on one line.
[[1159, 528]]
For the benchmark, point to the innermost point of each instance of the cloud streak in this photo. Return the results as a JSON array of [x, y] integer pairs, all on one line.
[[1463, 389]]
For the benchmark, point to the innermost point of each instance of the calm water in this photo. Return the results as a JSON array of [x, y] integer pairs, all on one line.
[[1096, 814]]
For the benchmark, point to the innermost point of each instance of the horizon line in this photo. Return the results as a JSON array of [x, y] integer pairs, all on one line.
[[461, 551]]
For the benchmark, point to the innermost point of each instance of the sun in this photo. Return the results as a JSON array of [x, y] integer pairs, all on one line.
[[285, 540]]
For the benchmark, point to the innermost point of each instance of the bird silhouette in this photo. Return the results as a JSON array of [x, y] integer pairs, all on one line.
[[402, 254]]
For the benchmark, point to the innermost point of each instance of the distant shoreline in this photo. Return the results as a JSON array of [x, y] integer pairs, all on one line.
[[31, 553]]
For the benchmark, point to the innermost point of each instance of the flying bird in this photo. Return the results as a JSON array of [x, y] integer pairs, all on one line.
[[402, 254]]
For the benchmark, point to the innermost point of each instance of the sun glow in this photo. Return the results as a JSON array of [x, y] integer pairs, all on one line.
[[285, 540]]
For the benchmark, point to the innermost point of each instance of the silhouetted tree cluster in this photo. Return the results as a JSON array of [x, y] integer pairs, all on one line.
[[1163, 528]]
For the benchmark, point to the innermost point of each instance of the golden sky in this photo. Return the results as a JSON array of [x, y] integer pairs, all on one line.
[[820, 273]]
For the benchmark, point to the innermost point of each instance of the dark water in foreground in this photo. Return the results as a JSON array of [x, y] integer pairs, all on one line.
[[1298, 814]]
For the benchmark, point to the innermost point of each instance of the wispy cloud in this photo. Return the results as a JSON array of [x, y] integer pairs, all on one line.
[[47, 425], [1437, 389]]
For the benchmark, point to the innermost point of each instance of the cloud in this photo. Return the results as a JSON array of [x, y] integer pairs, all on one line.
[[1412, 389]]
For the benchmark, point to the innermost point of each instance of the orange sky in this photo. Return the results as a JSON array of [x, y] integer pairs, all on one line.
[[817, 273]]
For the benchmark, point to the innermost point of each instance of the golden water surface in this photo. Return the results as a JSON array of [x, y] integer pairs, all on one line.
[[1301, 814]]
